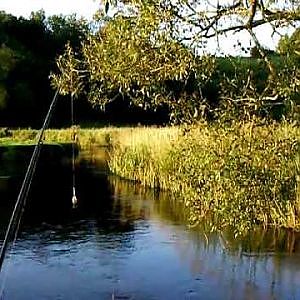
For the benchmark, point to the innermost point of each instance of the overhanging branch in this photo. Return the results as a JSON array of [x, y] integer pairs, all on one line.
[[208, 23]]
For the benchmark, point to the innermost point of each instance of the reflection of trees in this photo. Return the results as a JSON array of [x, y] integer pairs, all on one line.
[[262, 265], [240, 274], [133, 201], [94, 156], [263, 241], [144, 203], [256, 266]]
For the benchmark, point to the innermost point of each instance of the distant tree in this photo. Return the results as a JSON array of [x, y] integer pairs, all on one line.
[[289, 49], [28, 48], [67, 29], [256, 52], [8, 61], [290, 45]]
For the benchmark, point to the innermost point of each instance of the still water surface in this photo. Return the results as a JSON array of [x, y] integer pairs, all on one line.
[[125, 242]]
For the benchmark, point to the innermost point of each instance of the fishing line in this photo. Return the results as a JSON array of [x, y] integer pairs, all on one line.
[[74, 140], [19, 208]]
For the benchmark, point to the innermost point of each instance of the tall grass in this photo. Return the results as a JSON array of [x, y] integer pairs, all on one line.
[[84, 137], [235, 176], [140, 153]]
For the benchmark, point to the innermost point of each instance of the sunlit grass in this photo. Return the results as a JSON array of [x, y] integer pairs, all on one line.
[[237, 176]]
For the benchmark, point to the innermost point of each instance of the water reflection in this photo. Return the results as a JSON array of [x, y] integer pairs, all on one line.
[[128, 242], [262, 265]]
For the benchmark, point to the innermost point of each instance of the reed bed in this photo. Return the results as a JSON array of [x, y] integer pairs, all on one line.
[[237, 176]]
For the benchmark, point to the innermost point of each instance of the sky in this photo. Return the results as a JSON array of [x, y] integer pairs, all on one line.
[[87, 8], [23, 8]]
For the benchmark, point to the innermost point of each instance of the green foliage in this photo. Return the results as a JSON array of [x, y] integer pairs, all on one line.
[[247, 88], [236, 176], [137, 56], [69, 82], [129, 57], [8, 61], [3, 97], [290, 45], [27, 55], [67, 29], [5, 132], [150, 50]]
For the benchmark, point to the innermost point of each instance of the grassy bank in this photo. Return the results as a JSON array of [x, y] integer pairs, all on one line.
[[85, 137], [237, 176]]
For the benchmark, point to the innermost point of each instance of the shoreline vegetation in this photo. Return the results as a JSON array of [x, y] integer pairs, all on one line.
[[238, 175]]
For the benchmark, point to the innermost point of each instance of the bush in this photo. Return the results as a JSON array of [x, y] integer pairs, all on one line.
[[235, 176]]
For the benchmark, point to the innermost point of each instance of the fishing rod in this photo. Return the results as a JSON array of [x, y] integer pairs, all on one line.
[[14, 223]]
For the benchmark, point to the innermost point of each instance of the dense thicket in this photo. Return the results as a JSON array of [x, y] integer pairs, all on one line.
[[28, 48]]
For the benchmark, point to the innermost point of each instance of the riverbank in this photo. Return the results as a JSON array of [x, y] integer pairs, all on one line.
[[236, 176]]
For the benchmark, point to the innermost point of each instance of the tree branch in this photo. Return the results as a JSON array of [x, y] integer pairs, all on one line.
[[282, 16]]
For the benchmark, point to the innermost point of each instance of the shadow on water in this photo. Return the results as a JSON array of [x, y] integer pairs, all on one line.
[[124, 241]]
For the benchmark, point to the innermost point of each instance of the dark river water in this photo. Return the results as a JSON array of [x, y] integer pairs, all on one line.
[[126, 242]]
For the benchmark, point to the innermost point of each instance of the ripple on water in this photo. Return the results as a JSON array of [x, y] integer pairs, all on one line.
[[130, 244]]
